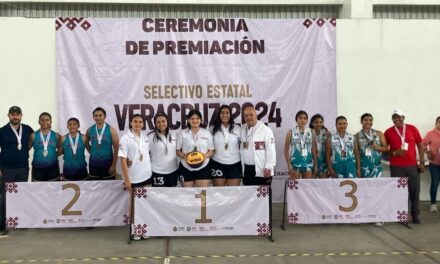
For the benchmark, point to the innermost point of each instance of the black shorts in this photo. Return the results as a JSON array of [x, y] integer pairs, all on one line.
[[51, 173], [100, 173], [228, 171], [165, 180], [98, 170], [141, 184], [187, 175], [80, 175], [250, 178]]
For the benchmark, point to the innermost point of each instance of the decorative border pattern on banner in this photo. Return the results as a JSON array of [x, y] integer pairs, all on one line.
[[293, 218], [126, 219], [11, 187], [320, 22], [402, 217], [140, 192], [293, 184], [140, 230], [402, 182], [72, 23], [263, 229], [11, 223], [263, 191]]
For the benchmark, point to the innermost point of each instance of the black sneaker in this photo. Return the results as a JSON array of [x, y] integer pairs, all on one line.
[[416, 220]]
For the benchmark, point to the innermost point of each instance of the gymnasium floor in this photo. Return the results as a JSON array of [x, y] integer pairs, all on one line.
[[363, 243]]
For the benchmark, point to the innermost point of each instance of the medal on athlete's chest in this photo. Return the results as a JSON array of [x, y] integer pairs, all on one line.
[[226, 146], [343, 153], [19, 146], [141, 157], [45, 152], [245, 144]]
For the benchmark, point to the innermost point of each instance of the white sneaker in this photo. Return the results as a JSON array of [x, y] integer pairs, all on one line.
[[136, 238], [433, 208], [379, 223]]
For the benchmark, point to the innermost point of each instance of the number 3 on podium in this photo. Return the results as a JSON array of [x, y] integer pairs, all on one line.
[[350, 195]]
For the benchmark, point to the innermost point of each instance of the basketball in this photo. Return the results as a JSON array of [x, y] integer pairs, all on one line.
[[195, 159]]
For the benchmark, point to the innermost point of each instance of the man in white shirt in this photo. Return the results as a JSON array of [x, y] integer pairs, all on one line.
[[258, 153]]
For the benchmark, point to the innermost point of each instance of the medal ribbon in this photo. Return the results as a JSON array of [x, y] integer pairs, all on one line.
[[342, 140], [138, 141], [45, 141], [17, 135], [74, 146], [100, 135], [402, 136]]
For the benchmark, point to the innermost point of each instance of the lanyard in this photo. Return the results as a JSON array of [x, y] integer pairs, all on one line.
[[318, 139], [17, 135], [45, 141], [370, 139], [225, 133], [252, 130], [342, 140], [100, 135], [301, 138], [402, 136], [138, 140], [195, 138], [74, 146]]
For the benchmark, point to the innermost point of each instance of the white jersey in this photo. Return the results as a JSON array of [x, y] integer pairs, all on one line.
[[258, 148], [227, 145], [163, 152], [201, 141], [137, 151]]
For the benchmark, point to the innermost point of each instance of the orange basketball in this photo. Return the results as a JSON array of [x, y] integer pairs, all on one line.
[[195, 159]]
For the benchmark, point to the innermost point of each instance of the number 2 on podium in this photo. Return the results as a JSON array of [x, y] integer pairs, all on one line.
[[66, 210]]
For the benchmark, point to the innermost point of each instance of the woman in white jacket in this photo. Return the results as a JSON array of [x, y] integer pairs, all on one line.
[[258, 153]]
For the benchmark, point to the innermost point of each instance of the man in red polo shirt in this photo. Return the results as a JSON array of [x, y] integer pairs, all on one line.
[[402, 140]]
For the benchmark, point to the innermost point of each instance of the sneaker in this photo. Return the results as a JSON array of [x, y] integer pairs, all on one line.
[[136, 238], [433, 208], [145, 237], [379, 223]]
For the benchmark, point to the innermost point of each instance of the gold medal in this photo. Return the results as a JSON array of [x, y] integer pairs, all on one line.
[[45, 152], [141, 157], [226, 146]]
